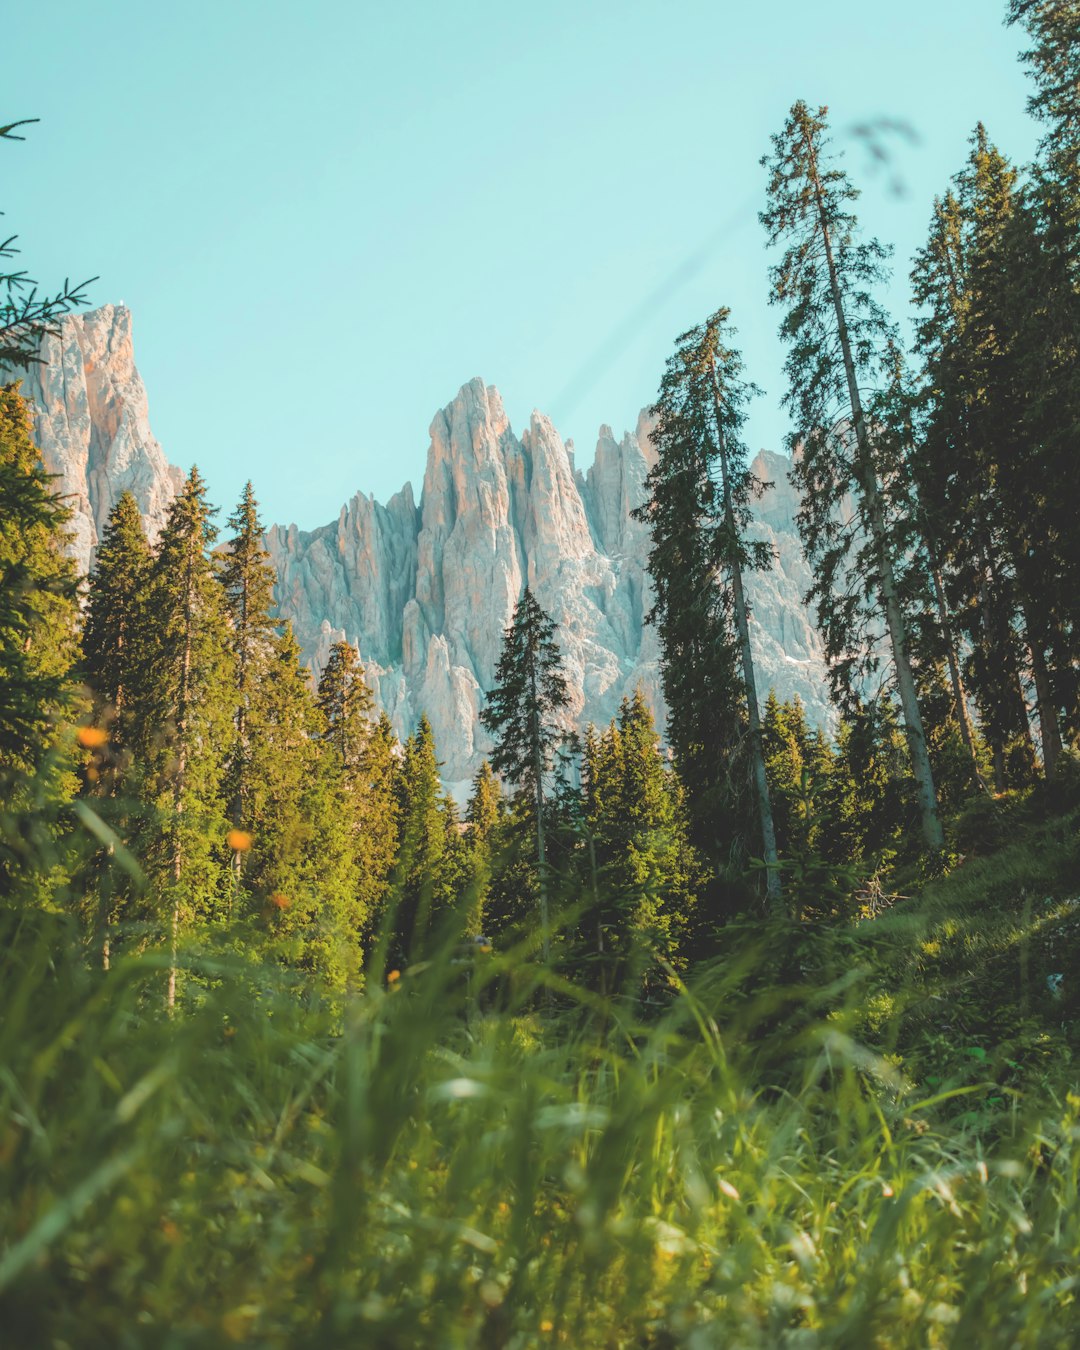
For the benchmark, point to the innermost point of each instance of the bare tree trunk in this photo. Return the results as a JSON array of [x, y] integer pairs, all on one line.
[[773, 888], [933, 835]]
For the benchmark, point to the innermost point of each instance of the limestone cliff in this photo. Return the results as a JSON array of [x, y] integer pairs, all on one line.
[[92, 425], [425, 589], [427, 607]]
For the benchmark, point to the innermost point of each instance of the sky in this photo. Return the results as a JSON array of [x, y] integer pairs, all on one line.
[[327, 217]]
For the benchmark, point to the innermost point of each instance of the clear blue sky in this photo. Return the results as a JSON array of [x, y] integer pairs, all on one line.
[[327, 217]]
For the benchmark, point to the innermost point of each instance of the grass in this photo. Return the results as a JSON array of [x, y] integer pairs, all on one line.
[[856, 1137]]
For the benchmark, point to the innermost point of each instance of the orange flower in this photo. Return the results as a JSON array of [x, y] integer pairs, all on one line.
[[281, 901], [545, 1325], [91, 738], [393, 976], [238, 840]]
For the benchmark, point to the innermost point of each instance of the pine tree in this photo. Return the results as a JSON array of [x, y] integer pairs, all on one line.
[[840, 344], [423, 883], [116, 616], [185, 713], [982, 477], [346, 702], [643, 874], [38, 609], [1054, 61], [522, 714], [484, 814], [698, 512], [248, 577], [1045, 282], [871, 787]]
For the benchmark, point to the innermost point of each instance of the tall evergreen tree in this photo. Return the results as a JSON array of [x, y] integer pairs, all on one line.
[[346, 703], [426, 873], [38, 608], [840, 344], [247, 575], [522, 714], [116, 616], [644, 875], [185, 713], [698, 512], [1054, 62], [982, 476], [484, 815], [1045, 282]]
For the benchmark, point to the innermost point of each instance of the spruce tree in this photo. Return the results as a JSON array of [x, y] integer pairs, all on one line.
[[840, 344], [522, 713], [1046, 305], [698, 512], [248, 577], [185, 714], [982, 475], [346, 703], [423, 882], [38, 607], [643, 874], [116, 616], [484, 815]]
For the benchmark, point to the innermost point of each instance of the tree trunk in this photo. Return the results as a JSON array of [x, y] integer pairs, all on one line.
[[1049, 732], [866, 475], [773, 887]]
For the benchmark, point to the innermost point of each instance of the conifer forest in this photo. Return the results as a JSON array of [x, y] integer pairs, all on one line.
[[734, 1031]]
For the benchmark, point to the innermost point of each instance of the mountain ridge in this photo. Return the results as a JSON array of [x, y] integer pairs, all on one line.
[[425, 587]]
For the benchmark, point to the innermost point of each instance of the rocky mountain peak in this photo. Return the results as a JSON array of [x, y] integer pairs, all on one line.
[[426, 589], [92, 425]]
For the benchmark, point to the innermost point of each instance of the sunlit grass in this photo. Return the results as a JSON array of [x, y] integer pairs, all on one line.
[[457, 1165]]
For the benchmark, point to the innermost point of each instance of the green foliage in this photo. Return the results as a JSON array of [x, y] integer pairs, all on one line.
[[116, 619], [850, 458], [431, 861], [184, 713], [698, 513], [485, 819], [642, 877], [38, 609], [524, 712], [972, 465], [848, 1160], [525, 703], [346, 704]]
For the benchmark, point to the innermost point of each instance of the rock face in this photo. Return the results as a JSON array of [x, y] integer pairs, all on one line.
[[426, 593], [425, 589], [92, 425]]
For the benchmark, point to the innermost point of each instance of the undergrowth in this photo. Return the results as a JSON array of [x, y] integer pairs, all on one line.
[[858, 1136]]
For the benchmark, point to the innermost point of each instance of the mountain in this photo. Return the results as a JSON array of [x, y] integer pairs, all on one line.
[[426, 588], [92, 425]]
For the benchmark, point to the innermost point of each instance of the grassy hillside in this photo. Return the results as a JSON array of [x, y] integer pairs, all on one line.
[[858, 1136]]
